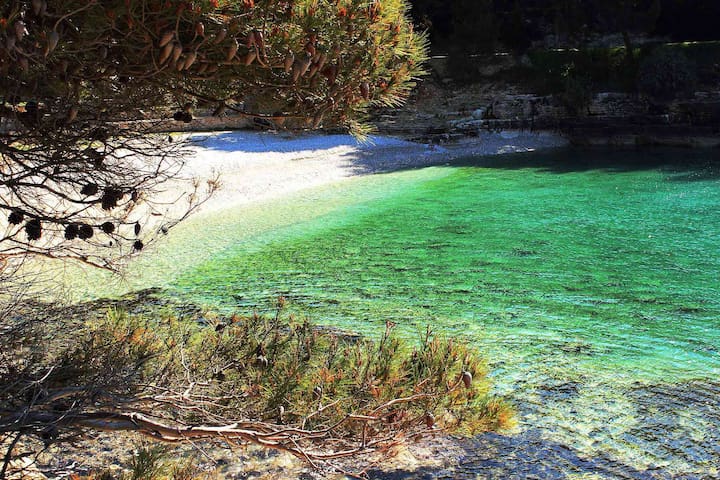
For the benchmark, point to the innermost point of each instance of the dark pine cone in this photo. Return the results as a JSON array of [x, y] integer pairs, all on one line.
[[85, 232], [110, 198], [89, 190], [16, 217], [71, 231], [33, 228]]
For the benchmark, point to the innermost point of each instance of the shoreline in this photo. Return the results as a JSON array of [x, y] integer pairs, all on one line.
[[255, 167]]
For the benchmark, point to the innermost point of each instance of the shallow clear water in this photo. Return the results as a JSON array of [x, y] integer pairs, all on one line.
[[589, 278]]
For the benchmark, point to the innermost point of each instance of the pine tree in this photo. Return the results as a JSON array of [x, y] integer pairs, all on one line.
[[82, 81]]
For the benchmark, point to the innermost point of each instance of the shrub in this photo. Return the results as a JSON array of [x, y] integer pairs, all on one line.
[[272, 381]]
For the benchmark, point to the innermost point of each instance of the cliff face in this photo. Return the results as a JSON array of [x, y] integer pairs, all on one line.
[[441, 110]]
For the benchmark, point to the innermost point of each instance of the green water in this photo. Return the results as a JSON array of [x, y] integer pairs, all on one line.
[[589, 278]]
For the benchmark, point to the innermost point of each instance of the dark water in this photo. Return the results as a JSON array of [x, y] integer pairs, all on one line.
[[589, 278]]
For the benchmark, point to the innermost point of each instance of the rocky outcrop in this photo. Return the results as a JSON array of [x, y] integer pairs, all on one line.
[[440, 113]]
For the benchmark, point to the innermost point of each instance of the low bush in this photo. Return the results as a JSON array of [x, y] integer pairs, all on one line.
[[273, 381]]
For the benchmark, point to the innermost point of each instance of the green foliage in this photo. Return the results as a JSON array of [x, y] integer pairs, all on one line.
[[275, 369], [85, 84], [267, 374], [147, 464], [343, 56], [155, 463], [666, 74]]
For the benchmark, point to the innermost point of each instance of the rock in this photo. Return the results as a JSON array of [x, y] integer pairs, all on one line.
[[25, 469]]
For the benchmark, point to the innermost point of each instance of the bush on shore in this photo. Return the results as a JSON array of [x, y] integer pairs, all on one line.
[[274, 381]]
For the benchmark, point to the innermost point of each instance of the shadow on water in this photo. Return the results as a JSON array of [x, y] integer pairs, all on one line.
[[680, 164]]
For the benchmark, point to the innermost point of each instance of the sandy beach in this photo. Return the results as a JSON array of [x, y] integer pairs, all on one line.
[[256, 166]]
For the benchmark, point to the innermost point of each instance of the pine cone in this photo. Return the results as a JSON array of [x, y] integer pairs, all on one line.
[[16, 217], [85, 232], [33, 229], [71, 231]]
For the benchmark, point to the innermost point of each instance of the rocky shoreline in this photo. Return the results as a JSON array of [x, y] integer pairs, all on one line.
[[441, 110]]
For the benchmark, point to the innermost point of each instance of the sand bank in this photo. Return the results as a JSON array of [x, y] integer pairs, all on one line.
[[263, 166]]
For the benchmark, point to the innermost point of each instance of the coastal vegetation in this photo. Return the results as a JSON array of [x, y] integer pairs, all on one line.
[[274, 381], [85, 86]]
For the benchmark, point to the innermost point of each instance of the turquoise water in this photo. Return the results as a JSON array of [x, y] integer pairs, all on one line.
[[589, 278]]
